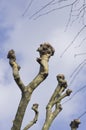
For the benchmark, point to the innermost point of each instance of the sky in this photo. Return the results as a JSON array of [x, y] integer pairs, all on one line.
[[19, 30]]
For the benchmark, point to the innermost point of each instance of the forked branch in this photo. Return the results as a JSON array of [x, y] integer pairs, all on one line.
[[46, 51], [55, 101]]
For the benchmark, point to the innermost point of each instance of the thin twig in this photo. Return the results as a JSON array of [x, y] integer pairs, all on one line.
[[74, 94], [73, 41], [52, 10], [79, 54], [82, 115], [81, 67], [70, 15], [81, 43], [77, 68], [46, 5], [28, 7]]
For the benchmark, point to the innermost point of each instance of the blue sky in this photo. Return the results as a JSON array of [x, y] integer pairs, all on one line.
[[24, 35]]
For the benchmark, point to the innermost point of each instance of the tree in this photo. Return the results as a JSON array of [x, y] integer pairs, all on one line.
[[55, 5], [54, 106]]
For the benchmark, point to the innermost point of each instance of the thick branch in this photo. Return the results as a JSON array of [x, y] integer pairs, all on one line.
[[50, 116], [46, 51], [15, 69], [62, 85], [35, 109], [56, 101]]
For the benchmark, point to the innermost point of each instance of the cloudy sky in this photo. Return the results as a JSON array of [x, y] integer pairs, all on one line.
[[23, 30]]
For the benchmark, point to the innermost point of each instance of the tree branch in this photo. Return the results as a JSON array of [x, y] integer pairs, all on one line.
[[80, 31], [15, 68], [55, 100], [84, 87], [53, 10], [46, 5], [28, 7], [67, 93], [77, 71], [35, 109], [46, 51]]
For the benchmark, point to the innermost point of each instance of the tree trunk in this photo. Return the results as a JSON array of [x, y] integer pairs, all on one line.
[[21, 112]]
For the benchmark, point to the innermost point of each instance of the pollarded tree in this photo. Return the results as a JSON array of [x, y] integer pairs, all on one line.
[[46, 51]]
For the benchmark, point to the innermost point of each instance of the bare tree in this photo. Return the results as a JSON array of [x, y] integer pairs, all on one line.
[[54, 106], [77, 13], [46, 51]]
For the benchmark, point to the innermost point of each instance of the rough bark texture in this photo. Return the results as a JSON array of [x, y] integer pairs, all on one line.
[[74, 124], [46, 51], [55, 100]]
